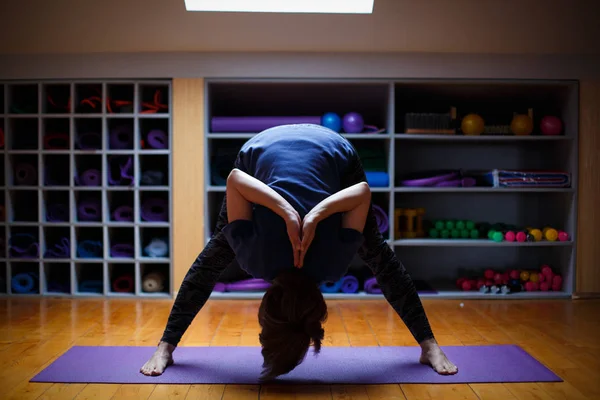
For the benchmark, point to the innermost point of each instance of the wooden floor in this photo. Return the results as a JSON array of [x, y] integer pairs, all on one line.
[[564, 335]]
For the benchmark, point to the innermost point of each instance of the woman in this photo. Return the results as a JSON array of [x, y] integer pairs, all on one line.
[[296, 211]]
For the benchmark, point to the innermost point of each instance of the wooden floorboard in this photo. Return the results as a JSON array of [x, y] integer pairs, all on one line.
[[562, 334]]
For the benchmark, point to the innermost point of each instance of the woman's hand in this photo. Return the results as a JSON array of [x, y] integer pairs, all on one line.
[[293, 223], [309, 226]]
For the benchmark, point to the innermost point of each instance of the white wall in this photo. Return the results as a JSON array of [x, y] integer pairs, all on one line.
[[431, 26]]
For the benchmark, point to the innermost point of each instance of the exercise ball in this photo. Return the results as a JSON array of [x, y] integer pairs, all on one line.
[[521, 125], [353, 123], [551, 125], [472, 124], [332, 121]]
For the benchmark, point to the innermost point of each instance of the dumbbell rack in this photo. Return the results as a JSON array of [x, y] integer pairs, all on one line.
[[384, 103], [32, 110]]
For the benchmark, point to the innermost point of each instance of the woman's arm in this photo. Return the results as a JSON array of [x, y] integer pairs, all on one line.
[[243, 190], [353, 201]]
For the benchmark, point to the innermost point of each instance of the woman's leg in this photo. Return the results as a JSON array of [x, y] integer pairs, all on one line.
[[395, 282]]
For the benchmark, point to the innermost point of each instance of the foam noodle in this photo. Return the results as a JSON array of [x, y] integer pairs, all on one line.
[[331, 287]]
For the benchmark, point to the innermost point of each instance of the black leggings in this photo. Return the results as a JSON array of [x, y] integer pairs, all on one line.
[[396, 284]]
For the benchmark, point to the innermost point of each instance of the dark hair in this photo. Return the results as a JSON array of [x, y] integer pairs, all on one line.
[[290, 315]]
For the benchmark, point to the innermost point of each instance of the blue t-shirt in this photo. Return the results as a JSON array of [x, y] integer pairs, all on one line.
[[303, 163]]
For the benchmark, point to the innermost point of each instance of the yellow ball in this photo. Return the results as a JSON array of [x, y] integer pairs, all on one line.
[[524, 276], [537, 234], [472, 124], [534, 277], [521, 125]]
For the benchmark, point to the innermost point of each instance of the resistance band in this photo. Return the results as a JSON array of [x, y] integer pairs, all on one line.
[[24, 245], [155, 106], [59, 250], [56, 141]]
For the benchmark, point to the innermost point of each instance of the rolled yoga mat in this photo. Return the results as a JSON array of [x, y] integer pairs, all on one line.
[[89, 177], [349, 284], [91, 286], [153, 178], [60, 249], [377, 179], [25, 174], [247, 285], [121, 137], [24, 283], [155, 209], [123, 284], [157, 247], [371, 286], [219, 287], [157, 139], [381, 218], [257, 124], [153, 282], [56, 141], [89, 141], [123, 213], [331, 287], [89, 249], [334, 365], [122, 250], [23, 245], [89, 210]]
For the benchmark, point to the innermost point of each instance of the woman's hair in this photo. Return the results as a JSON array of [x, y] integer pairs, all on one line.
[[290, 314]]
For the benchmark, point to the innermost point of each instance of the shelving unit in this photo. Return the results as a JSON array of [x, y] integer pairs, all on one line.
[[83, 161], [384, 103]]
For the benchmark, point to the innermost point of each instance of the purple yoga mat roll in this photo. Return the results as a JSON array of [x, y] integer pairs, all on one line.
[[155, 209], [381, 218], [157, 139], [122, 250], [89, 210], [349, 284], [89, 141], [25, 174], [372, 287], [123, 214], [121, 137], [90, 177], [247, 285], [257, 124]]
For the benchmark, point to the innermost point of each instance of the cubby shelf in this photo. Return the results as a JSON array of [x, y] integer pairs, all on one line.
[[384, 104], [87, 172]]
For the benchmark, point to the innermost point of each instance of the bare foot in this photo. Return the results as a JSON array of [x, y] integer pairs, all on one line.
[[161, 359], [433, 356]]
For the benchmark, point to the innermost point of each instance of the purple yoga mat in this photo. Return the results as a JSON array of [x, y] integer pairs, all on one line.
[[334, 365], [155, 209], [157, 139], [371, 286], [90, 177], [247, 285], [121, 137], [89, 210], [89, 141], [257, 124], [122, 250], [123, 213], [381, 218], [349, 284]]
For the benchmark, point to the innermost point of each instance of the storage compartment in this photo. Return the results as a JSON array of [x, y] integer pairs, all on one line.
[[90, 243], [155, 243], [89, 206], [57, 278], [155, 134], [155, 170], [56, 206], [155, 279], [122, 242], [88, 98], [89, 278], [120, 98], [23, 242], [88, 170], [25, 278], [121, 206], [56, 134], [22, 134], [88, 134], [154, 98], [24, 205], [154, 206], [57, 242], [57, 170], [121, 278], [300, 102], [120, 133], [23, 98], [57, 98]]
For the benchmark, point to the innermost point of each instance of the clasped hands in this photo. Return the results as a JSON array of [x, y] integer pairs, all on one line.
[[301, 233]]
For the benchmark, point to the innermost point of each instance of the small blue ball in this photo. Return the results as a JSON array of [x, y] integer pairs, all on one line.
[[332, 121]]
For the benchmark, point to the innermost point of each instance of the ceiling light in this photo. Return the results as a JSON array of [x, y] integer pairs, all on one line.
[[283, 6]]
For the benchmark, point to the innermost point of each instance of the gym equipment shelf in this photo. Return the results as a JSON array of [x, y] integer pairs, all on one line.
[[87, 187], [385, 103]]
